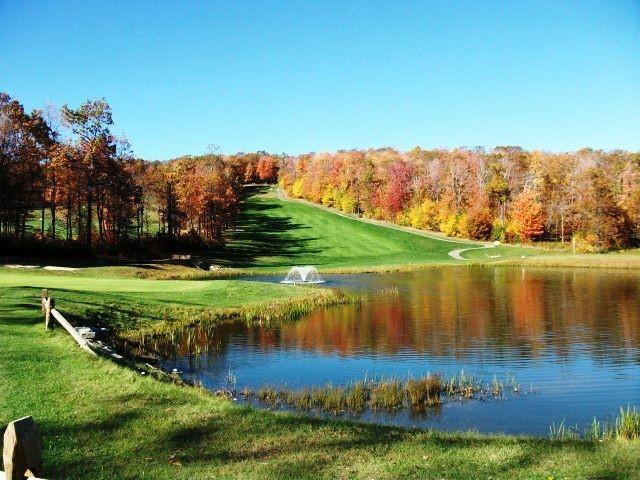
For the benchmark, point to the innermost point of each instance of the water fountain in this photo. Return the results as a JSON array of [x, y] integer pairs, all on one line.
[[306, 274]]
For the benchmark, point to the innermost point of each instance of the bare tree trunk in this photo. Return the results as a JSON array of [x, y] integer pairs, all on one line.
[[89, 226]]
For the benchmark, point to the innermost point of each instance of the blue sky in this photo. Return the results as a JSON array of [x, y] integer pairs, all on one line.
[[295, 76]]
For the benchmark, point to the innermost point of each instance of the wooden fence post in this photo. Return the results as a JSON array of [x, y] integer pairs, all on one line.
[[44, 293], [47, 304], [22, 451]]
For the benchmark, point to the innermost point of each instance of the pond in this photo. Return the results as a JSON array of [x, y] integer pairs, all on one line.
[[570, 337]]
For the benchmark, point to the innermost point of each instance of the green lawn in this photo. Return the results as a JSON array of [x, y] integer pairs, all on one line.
[[275, 234], [99, 420], [131, 304], [272, 234]]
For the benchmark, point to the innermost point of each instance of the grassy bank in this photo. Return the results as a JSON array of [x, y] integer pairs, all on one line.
[[132, 306], [99, 420]]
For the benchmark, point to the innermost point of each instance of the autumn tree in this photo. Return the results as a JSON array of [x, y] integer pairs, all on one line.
[[267, 169], [527, 216], [24, 143], [90, 123], [601, 215]]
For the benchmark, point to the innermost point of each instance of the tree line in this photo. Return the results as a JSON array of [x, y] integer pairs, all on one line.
[[508, 194], [68, 183]]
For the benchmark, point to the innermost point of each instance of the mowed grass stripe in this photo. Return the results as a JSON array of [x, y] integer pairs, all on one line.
[[304, 234]]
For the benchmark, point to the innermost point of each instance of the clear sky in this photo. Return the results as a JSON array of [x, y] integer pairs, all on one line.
[[294, 76]]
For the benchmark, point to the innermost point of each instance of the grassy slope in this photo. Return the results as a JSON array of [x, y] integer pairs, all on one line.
[[99, 420], [275, 234]]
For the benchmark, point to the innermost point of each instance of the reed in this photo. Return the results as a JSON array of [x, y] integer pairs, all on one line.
[[463, 385], [357, 396], [563, 432], [424, 392], [268, 395], [333, 399], [387, 395], [381, 395], [496, 387], [627, 425]]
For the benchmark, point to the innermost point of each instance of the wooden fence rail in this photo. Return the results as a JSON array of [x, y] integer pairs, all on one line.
[[48, 304]]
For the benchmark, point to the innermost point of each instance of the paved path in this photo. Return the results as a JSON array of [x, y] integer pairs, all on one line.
[[457, 253]]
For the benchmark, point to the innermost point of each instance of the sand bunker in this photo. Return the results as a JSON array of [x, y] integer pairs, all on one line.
[[48, 267]]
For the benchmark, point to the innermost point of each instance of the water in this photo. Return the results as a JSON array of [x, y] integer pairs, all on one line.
[[571, 337]]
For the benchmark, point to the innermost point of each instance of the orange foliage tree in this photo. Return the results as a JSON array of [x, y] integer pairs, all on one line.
[[527, 216]]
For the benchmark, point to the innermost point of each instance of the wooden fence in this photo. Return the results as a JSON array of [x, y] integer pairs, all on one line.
[[21, 451], [48, 308], [21, 445]]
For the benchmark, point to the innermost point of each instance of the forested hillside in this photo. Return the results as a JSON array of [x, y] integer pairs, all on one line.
[[505, 194]]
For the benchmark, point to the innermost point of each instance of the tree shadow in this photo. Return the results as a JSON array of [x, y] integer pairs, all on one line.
[[258, 234]]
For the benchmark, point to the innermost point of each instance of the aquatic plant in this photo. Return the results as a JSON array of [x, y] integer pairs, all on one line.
[[424, 392], [268, 395], [386, 395], [627, 424], [464, 385], [563, 432], [333, 399], [496, 387], [357, 396]]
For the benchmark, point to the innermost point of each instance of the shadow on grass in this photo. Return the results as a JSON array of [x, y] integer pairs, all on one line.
[[258, 234], [289, 446]]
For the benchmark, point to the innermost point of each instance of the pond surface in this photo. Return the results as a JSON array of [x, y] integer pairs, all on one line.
[[571, 338]]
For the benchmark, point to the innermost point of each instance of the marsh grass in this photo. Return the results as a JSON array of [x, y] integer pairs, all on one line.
[[424, 392], [626, 426], [387, 395], [379, 395], [268, 395], [357, 396], [496, 387], [463, 385]]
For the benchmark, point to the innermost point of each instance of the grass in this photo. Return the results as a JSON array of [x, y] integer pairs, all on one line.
[[102, 421], [274, 234], [136, 307]]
